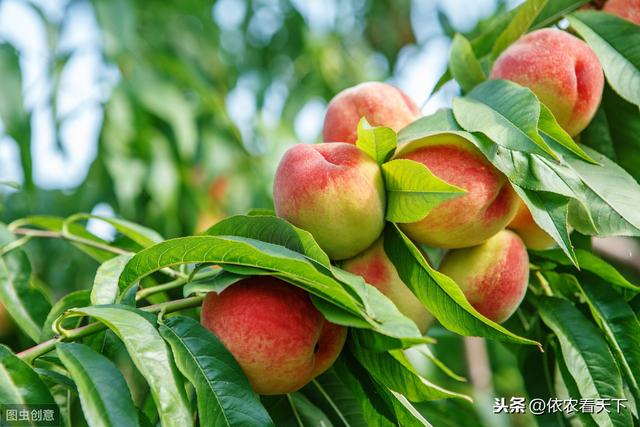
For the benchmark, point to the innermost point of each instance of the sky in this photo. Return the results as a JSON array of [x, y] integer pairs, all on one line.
[[87, 80]]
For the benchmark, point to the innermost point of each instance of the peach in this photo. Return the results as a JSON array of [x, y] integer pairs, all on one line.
[[562, 70], [377, 269], [531, 234], [493, 276], [488, 206], [625, 9], [380, 103], [275, 333], [334, 191]]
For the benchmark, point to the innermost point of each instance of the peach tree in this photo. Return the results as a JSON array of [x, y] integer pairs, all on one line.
[[475, 220]]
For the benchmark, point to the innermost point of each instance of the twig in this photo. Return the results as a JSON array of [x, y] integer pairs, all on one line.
[[74, 334]]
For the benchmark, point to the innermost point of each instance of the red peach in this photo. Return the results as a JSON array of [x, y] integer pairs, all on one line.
[[625, 9], [334, 191], [493, 275], [275, 333], [488, 206], [380, 103], [377, 269], [531, 234], [562, 70]]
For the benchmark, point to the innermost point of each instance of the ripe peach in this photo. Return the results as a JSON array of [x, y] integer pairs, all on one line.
[[531, 234], [381, 104], [278, 337], [493, 275], [562, 70], [377, 269], [334, 191], [488, 206], [625, 9]]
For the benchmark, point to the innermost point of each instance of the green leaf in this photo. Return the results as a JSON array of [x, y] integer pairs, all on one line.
[[167, 102], [105, 284], [217, 283], [406, 413], [518, 25], [439, 293], [413, 191], [56, 224], [104, 394], [295, 410], [572, 390], [505, 112], [615, 41], [143, 236], [614, 213], [379, 307], [236, 251], [549, 128], [379, 405], [463, 64], [27, 305], [587, 357], [225, 397], [623, 121], [394, 371], [151, 356], [593, 264], [271, 229], [281, 262], [483, 44], [556, 10], [71, 300], [19, 383], [597, 134], [424, 351], [444, 79], [16, 120], [550, 212], [619, 324], [378, 142], [332, 396]]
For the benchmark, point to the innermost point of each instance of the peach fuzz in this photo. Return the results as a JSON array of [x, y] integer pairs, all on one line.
[[334, 191], [380, 103], [274, 332], [562, 70], [493, 276], [531, 234], [377, 269], [625, 9], [488, 206]]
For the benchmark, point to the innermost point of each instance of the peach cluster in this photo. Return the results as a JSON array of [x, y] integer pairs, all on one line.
[[336, 192]]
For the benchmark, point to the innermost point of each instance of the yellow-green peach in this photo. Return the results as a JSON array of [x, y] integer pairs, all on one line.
[[377, 269], [531, 234], [493, 276]]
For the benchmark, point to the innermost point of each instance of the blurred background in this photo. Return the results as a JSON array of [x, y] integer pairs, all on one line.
[[174, 114]]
